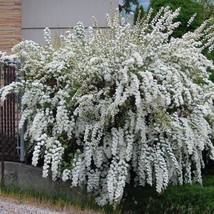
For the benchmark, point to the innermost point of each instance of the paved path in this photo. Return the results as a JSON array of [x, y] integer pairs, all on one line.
[[12, 206]]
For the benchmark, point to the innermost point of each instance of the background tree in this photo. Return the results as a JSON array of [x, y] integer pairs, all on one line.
[[139, 13], [210, 55], [127, 5], [204, 10], [188, 9], [208, 8]]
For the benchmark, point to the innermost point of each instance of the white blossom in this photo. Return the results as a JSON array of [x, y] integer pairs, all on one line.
[[127, 99]]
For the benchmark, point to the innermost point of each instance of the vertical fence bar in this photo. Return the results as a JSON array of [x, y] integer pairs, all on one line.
[[22, 146], [2, 131], [21, 133]]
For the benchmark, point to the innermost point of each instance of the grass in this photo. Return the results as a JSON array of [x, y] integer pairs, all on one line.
[[186, 199], [57, 202]]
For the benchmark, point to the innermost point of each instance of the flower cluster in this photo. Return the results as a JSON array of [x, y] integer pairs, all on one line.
[[111, 104]]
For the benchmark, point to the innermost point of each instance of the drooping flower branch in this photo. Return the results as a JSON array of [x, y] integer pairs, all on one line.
[[126, 104]]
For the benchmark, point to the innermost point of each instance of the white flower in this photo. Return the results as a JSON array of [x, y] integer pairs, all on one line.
[[108, 103]]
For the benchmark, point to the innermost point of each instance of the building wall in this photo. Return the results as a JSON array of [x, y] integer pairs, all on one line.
[[26, 19], [10, 24], [60, 15]]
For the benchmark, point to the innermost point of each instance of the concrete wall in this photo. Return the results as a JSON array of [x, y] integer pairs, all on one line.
[[61, 15], [10, 23], [29, 178]]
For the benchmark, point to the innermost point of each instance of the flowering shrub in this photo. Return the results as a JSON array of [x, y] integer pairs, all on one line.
[[127, 104]]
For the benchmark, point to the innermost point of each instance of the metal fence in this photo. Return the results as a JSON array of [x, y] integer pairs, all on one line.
[[9, 142]]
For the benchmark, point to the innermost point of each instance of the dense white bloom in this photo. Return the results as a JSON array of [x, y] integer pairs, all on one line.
[[128, 99]]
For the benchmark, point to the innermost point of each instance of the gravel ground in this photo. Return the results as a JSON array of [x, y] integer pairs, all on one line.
[[10, 206]]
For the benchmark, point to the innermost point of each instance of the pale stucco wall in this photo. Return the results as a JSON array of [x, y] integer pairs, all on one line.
[[61, 15]]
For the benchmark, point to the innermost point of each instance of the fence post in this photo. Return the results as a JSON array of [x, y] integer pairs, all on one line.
[[22, 146], [2, 168], [22, 130], [1, 131]]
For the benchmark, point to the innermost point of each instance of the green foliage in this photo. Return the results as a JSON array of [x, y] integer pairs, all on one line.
[[188, 9], [204, 10], [139, 13], [195, 199], [212, 72], [208, 8], [127, 5], [210, 55]]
